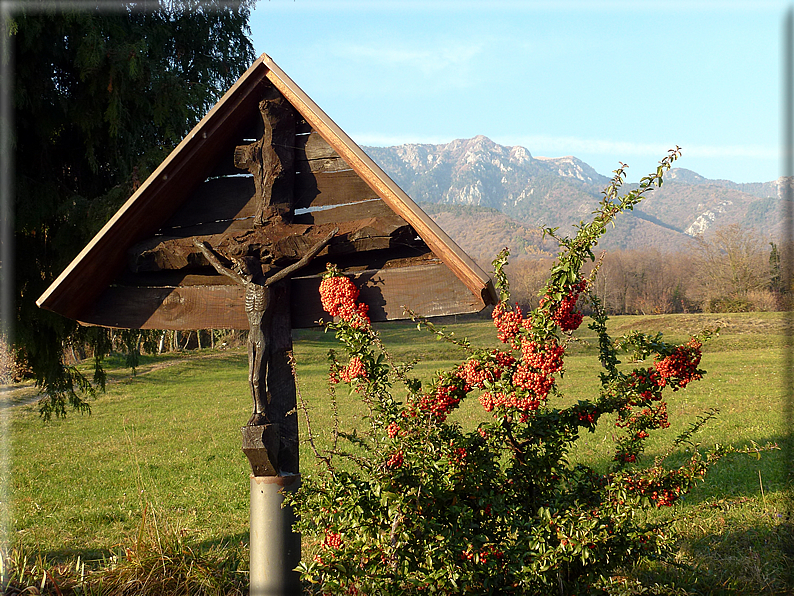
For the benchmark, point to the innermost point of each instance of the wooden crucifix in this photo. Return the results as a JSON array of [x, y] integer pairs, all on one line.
[[258, 307], [270, 162]]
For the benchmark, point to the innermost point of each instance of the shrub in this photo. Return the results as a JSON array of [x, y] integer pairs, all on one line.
[[13, 364], [431, 507], [729, 305]]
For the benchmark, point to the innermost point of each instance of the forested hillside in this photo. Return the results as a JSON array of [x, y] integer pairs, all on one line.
[[560, 192], [693, 245]]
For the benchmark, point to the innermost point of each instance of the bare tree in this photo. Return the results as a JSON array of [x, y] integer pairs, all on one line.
[[731, 262]]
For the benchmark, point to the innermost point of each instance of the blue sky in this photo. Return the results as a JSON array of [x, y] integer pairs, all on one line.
[[604, 81]]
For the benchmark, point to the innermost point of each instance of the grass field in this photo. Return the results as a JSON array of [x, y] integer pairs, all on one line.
[[167, 442]]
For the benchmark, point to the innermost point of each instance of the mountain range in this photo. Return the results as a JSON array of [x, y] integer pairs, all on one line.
[[486, 195]]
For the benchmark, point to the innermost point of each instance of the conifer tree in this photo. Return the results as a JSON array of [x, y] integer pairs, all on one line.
[[101, 95]]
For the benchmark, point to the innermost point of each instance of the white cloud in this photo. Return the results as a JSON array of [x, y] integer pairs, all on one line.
[[748, 151]]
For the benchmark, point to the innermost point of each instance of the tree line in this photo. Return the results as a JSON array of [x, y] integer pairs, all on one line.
[[732, 269]]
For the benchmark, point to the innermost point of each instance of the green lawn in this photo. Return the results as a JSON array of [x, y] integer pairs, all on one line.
[[168, 439]]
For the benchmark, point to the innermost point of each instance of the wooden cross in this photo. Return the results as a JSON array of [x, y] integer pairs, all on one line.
[[270, 162]]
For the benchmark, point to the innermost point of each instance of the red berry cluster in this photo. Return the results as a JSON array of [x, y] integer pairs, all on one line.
[[650, 417], [441, 401], [490, 401], [538, 383], [637, 424], [338, 295], [547, 357], [565, 313], [354, 370], [396, 459], [541, 357], [458, 456], [502, 360], [393, 429], [490, 551], [474, 374], [332, 540], [664, 497], [531, 376], [663, 487], [646, 384], [681, 367], [486, 552], [508, 322]]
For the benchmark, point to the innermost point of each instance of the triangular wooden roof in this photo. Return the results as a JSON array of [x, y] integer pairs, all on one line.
[[89, 289]]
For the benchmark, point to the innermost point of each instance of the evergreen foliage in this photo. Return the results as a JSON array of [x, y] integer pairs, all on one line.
[[100, 98]]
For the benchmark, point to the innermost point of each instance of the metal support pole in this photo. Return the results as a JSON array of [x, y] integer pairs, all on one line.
[[275, 548]]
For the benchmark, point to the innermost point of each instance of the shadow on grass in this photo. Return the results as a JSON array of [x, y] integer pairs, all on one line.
[[734, 538], [235, 544], [239, 540], [740, 475], [755, 559]]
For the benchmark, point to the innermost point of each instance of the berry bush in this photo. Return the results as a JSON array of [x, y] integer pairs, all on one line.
[[430, 507]]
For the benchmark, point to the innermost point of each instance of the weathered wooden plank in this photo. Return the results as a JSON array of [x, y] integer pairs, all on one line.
[[213, 228], [330, 188], [173, 279], [248, 131], [225, 199], [277, 244], [314, 146], [363, 210], [194, 307], [314, 154], [333, 164], [397, 255], [221, 199], [163, 253], [430, 290]]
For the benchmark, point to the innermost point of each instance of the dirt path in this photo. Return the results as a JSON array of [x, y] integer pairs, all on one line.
[[29, 394]]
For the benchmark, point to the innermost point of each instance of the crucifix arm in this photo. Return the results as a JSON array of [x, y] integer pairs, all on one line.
[[210, 256], [304, 261]]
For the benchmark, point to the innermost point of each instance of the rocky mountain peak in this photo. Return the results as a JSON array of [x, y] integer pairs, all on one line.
[[561, 191]]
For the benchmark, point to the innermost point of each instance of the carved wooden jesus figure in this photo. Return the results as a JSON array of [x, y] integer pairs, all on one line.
[[248, 273]]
